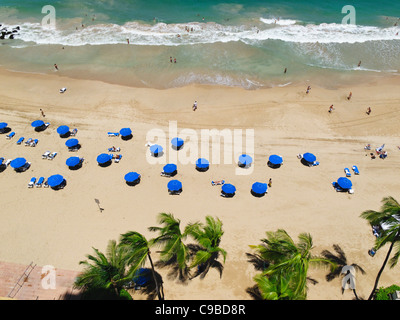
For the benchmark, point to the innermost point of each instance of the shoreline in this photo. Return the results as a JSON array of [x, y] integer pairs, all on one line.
[[60, 228]]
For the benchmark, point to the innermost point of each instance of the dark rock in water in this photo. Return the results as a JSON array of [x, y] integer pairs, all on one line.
[[11, 37], [17, 27], [15, 31]]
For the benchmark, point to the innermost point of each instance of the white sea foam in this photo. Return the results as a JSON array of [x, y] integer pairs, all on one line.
[[167, 34], [278, 21]]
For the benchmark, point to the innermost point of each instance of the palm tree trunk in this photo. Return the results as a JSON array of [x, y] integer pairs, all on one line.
[[160, 297], [380, 272]]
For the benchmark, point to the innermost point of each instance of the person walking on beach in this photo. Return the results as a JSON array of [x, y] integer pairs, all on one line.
[[270, 183], [331, 109], [195, 106], [368, 110], [42, 112], [56, 67], [174, 60], [359, 64], [308, 89], [285, 70], [349, 97], [170, 59], [127, 41]]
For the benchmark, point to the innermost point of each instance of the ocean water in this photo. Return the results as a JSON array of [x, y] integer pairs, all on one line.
[[233, 43]]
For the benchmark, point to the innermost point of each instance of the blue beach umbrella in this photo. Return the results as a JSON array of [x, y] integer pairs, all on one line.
[[275, 159], [72, 161], [170, 168], [55, 180], [61, 130], [103, 158], [309, 157], [174, 185], [177, 142], [17, 163], [156, 149], [71, 142], [3, 125], [132, 176], [344, 183], [125, 132], [245, 160], [259, 187], [228, 188], [202, 163], [37, 123]]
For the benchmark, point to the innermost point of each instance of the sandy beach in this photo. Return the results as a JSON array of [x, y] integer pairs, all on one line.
[[60, 227]]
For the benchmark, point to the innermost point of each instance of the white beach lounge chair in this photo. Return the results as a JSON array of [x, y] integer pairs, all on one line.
[[113, 134], [20, 140], [51, 156], [355, 169], [34, 143], [39, 183], [11, 135], [8, 162], [347, 172], [28, 142], [62, 90], [45, 155], [32, 182]]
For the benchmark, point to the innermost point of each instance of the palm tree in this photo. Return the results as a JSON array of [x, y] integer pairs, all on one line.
[[174, 251], [276, 287], [389, 217], [137, 251], [207, 251], [104, 273], [341, 261], [286, 258]]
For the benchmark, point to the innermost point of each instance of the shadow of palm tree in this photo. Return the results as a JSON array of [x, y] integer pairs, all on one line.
[[175, 273], [204, 268], [148, 286], [257, 261], [339, 257]]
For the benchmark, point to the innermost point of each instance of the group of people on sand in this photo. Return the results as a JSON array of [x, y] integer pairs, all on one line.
[[380, 152]]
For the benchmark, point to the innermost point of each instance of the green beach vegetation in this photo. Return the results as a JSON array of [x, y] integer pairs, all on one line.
[[282, 264], [107, 276]]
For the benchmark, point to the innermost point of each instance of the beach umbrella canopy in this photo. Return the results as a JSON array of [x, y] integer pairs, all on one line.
[[202, 163], [103, 158], [142, 276], [169, 168], [259, 187], [62, 130], [3, 125], [37, 123], [344, 183], [132, 176], [228, 188], [245, 159], [174, 185], [73, 161], [125, 132], [177, 142], [17, 163], [309, 157], [275, 159], [55, 180], [71, 142], [155, 148]]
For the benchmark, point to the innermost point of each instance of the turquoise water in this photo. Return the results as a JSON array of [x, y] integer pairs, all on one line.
[[235, 43]]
